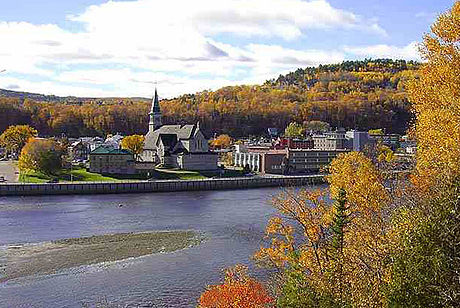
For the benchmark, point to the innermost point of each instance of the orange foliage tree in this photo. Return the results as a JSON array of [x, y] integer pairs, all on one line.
[[238, 290], [222, 141]]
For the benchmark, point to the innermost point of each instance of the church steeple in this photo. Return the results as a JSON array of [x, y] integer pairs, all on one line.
[[155, 113]]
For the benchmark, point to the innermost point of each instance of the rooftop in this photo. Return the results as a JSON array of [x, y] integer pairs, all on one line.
[[110, 150]]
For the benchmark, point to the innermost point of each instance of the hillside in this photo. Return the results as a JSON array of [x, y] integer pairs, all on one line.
[[354, 94]]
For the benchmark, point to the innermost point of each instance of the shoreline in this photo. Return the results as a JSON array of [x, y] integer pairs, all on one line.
[[27, 189], [52, 257]]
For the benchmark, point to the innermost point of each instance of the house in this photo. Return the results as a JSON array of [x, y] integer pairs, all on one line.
[[79, 150], [108, 160], [92, 142], [175, 146], [114, 140]]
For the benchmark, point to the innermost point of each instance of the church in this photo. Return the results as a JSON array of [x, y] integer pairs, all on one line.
[[176, 146]]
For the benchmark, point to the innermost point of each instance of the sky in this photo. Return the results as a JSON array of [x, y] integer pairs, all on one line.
[[101, 48]]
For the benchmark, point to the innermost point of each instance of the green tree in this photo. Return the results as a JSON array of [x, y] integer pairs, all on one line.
[[294, 130], [340, 221], [41, 155], [426, 261], [15, 137]]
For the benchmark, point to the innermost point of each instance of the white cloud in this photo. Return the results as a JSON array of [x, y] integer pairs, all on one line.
[[408, 52], [176, 40]]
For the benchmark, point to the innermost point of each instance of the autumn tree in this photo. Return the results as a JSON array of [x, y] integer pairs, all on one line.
[[222, 142], [376, 131], [133, 143], [340, 251], [426, 263], [294, 130], [316, 126], [15, 137], [238, 290], [435, 97], [41, 155]]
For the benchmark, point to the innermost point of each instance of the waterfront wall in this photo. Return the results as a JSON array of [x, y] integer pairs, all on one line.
[[26, 189]]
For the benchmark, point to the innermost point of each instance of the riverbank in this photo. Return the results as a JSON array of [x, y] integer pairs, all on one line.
[[20, 189], [51, 257], [79, 174]]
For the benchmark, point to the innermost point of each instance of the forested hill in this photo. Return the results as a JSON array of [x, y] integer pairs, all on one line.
[[354, 94]]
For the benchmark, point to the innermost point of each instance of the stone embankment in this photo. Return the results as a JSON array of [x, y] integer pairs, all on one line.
[[24, 189]]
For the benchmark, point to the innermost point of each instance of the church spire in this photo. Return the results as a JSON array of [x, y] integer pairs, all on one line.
[[155, 103], [155, 113]]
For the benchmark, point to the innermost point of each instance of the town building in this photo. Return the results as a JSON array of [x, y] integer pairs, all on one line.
[[330, 140], [294, 143], [108, 160], [357, 140], [310, 160], [270, 161], [284, 161], [175, 146], [390, 140]]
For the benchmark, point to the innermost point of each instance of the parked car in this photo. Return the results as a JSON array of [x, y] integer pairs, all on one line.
[[2, 179], [53, 181]]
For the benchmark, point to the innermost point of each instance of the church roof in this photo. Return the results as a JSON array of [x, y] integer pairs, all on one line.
[[168, 139], [182, 132]]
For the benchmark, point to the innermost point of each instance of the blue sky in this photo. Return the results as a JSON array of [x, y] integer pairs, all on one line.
[[121, 48]]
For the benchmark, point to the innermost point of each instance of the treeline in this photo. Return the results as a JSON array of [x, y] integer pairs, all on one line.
[[354, 94]]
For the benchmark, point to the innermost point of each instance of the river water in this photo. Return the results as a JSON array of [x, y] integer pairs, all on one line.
[[232, 221]]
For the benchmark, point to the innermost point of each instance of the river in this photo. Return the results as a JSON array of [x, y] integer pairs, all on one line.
[[232, 221]]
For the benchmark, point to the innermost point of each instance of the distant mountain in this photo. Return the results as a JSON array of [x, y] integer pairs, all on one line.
[[61, 99]]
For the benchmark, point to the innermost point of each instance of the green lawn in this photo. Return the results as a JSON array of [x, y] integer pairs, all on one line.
[[77, 175], [81, 175], [170, 174]]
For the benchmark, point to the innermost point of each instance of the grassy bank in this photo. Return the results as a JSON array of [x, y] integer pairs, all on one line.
[[51, 257], [82, 175], [77, 175], [176, 174]]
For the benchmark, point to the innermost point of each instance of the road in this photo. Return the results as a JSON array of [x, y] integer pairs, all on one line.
[[8, 170]]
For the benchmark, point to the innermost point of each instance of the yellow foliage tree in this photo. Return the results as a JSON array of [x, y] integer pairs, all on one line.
[[133, 143], [435, 97], [15, 137], [361, 264]]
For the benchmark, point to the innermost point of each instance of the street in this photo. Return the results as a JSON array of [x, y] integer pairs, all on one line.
[[8, 170]]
